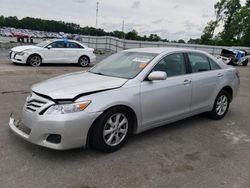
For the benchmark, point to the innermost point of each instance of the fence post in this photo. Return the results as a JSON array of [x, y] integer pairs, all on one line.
[[96, 42], [116, 45], [124, 44], [109, 43], [106, 43], [213, 51]]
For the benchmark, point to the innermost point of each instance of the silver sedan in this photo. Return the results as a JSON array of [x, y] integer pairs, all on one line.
[[128, 93]]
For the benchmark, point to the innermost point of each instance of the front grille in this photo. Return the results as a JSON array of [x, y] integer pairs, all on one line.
[[34, 105], [10, 54]]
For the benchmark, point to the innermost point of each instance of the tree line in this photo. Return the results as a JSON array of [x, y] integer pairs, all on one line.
[[60, 26]]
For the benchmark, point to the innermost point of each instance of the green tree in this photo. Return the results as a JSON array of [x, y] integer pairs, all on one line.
[[1, 21], [118, 34], [154, 37], [233, 17], [208, 33], [132, 35], [181, 41]]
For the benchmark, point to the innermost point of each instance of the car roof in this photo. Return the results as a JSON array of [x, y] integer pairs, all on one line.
[[54, 40], [159, 50]]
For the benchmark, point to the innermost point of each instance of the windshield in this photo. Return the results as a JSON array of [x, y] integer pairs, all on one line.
[[123, 65], [43, 44]]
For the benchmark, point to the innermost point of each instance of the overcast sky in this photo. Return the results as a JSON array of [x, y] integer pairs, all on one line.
[[171, 19]]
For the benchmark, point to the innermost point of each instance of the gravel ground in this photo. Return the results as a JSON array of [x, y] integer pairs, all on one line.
[[196, 152]]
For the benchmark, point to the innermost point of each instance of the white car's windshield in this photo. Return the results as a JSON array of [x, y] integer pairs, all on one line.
[[123, 65], [44, 43]]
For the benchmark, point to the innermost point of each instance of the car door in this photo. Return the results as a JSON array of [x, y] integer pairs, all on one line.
[[55, 52], [168, 99], [73, 52], [206, 78]]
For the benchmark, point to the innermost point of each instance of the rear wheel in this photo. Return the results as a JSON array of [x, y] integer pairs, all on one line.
[[111, 130], [83, 61], [244, 63], [35, 60], [221, 106]]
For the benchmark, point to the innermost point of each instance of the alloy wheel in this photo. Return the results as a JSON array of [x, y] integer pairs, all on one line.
[[115, 129], [35, 61], [221, 105], [84, 61]]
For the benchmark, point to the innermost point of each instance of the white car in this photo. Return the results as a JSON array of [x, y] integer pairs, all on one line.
[[53, 51]]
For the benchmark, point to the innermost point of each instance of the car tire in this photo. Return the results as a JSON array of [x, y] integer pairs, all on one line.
[[244, 63], [221, 105], [34, 60], [83, 61], [111, 130]]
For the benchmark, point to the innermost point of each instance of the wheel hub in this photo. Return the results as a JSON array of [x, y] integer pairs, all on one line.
[[221, 105], [115, 129]]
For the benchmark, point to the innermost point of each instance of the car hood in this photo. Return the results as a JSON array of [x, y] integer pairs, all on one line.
[[22, 48], [72, 85]]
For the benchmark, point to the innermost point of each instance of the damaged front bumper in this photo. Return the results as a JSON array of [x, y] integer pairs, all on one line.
[[54, 132], [18, 128]]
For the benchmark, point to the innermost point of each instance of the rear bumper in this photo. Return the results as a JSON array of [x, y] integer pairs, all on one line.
[[92, 58]]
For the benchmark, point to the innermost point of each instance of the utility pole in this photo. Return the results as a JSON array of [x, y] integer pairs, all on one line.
[[97, 10], [96, 22], [123, 28]]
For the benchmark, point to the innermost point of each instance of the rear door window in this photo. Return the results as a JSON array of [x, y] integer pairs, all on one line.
[[199, 62], [214, 65], [73, 45]]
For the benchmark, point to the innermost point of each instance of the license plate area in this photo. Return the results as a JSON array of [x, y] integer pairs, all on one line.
[[18, 124]]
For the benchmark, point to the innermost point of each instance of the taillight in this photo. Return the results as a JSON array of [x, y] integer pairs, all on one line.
[[237, 74]]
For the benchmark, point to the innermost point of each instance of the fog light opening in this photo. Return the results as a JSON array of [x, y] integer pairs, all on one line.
[[54, 138]]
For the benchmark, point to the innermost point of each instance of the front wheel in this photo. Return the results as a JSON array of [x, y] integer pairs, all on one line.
[[35, 60], [83, 61], [111, 130], [221, 106]]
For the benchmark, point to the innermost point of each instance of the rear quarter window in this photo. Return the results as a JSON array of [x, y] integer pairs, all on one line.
[[73, 45], [214, 65]]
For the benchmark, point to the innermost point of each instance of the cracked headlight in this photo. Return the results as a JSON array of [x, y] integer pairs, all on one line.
[[67, 108]]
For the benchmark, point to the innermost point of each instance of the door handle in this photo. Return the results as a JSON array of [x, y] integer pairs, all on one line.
[[220, 75], [186, 82]]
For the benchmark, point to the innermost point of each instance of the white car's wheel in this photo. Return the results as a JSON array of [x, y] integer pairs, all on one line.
[[35, 60], [83, 61]]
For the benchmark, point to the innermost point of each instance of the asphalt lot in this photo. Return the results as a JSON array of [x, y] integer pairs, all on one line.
[[196, 152]]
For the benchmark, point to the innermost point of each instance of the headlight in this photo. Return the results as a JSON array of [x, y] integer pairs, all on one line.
[[21, 53], [67, 108]]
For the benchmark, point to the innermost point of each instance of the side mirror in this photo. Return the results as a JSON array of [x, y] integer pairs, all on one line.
[[157, 75], [49, 47]]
